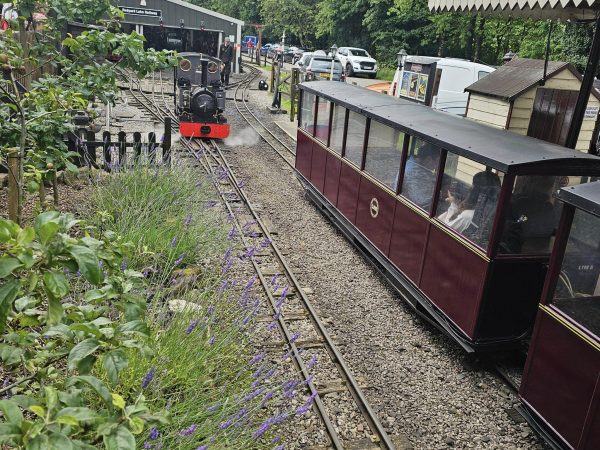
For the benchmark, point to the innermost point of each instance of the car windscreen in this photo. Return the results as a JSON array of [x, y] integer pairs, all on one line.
[[358, 52], [325, 64]]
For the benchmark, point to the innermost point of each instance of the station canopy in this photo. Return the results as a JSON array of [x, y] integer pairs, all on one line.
[[536, 9]]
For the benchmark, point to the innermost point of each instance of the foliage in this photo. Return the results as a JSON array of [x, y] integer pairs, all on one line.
[[70, 315], [74, 74]]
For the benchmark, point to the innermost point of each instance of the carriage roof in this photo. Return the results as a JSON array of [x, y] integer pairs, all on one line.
[[500, 149]]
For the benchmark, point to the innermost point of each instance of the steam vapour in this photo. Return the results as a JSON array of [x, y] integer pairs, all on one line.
[[246, 137]]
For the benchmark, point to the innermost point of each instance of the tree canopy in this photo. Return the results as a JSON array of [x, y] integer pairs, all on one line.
[[385, 26]]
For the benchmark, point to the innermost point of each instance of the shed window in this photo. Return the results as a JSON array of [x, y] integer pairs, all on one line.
[[577, 292], [323, 110], [336, 139], [355, 138], [533, 214], [420, 176], [307, 115], [384, 152], [468, 198]]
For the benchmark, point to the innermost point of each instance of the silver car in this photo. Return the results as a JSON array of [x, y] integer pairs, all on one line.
[[319, 68]]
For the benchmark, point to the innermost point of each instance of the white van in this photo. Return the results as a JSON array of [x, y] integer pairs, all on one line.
[[454, 75]]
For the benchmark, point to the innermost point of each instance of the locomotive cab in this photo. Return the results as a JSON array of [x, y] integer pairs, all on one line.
[[200, 97]]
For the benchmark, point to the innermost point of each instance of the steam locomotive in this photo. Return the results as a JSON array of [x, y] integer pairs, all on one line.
[[200, 97]]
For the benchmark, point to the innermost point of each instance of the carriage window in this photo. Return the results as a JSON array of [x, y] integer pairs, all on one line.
[[577, 291], [533, 214], [468, 198], [307, 115], [420, 172], [355, 138], [323, 109], [384, 152], [337, 129]]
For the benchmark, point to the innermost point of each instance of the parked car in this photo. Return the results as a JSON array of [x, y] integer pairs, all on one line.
[[264, 50], [319, 68], [357, 61], [274, 49], [456, 75], [303, 63]]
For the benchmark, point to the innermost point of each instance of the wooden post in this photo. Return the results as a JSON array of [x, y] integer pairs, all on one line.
[[272, 80], [152, 147], [106, 150], [91, 149], [137, 145], [122, 136], [13, 184], [166, 144]]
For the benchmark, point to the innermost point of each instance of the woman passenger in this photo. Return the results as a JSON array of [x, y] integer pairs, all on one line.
[[459, 215]]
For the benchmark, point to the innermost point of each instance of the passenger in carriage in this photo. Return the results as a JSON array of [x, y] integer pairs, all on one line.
[[419, 176], [533, 216], [461, 212]]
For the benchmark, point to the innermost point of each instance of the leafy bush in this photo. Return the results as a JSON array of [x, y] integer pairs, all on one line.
[[69, 316]]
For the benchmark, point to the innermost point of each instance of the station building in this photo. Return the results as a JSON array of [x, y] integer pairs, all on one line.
[[182, 26]]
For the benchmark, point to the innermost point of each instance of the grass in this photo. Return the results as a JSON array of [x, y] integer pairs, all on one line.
[[386, 73], [200, 365]]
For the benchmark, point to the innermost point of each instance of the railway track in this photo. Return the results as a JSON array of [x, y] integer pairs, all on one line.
[[241, 104], [297, 313]]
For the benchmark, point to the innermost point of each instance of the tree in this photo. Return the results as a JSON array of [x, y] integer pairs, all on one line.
[[37, 116]]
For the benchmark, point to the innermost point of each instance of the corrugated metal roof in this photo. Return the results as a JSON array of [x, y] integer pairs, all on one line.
[[542, 9], [515, 77], [501, 149]]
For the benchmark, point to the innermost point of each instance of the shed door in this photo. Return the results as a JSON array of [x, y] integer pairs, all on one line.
[[551, 115]]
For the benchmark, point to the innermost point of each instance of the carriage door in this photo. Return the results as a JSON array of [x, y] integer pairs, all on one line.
[[551, 115]]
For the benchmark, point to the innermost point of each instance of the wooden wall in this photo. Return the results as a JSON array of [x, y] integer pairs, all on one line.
[[523, 106], [488, 110], [494, 112]]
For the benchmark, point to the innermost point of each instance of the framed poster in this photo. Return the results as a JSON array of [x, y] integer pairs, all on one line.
[[405, 83], [422, 89], [414, 81]]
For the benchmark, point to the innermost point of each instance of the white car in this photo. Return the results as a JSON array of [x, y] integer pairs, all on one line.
[[357, 61]]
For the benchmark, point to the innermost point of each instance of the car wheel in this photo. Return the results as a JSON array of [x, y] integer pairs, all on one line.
[[372, 75], [349, 71]]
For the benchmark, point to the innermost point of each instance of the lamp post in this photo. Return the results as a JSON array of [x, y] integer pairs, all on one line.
[[401, 58], [333, 49]]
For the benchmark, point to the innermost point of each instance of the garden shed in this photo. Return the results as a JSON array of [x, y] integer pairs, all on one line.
[[518, 97]]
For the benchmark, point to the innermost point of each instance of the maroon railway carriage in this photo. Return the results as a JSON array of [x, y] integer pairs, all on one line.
[[459, 216], [561, 382]]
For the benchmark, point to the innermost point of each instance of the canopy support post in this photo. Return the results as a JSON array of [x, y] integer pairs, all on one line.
[[586, 89]]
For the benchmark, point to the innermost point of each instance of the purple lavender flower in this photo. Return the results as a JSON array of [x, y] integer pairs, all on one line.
[[312, 362], [210, 204], [211, 341], [227, 265], [174, 242], [304, 408], [276, 439], [188, 431], [198, 184], [250, 282], [210, 310], [279, 447], [148, 377], [202, 447], [294, 337], [274, 279], [124, 264], [267, 424], [232, 234], [179, 260], [265, 243], [193, 324], [257, 358], [226, 424], [214, 407], [253, 394], [154, 433], [147, 445], [241, 183], [272, 325], [188, 220]]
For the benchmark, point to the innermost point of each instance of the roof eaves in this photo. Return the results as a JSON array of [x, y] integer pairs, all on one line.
[[206, 11]]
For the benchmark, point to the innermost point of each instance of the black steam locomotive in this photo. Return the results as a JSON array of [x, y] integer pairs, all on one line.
[[200, 97]]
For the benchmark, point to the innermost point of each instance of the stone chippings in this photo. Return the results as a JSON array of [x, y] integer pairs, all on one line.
[[419, 382]]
